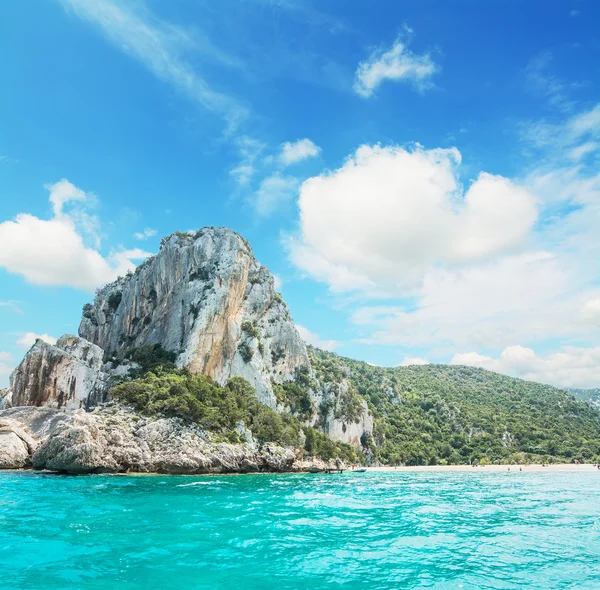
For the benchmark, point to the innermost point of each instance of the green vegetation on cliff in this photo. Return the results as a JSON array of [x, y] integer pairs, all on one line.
[[432, 414], [219, 410]]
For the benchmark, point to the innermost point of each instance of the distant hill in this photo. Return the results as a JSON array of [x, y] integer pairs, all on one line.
[[591, 396], [456, 414]]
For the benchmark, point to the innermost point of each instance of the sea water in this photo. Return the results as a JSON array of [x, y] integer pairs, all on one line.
[[368, 531]]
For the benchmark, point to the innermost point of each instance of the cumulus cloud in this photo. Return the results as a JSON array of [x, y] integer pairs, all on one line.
[[517, 298], [54, 251], [273, 192], [28, 339], [389, 214], [292, 152], [144, 235], [398, 64], [315, 340], [569, 367]]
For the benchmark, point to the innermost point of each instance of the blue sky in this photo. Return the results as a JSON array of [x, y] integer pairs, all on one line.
[[421, 177]]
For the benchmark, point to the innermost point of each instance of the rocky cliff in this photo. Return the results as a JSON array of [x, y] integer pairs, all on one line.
[[209, 302], [112, 439], [67, 375], [206, 298]]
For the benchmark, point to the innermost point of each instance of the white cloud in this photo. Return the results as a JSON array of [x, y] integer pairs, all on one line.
[[53, 252], [28, 339], [397, 63], [62, 192], [590, 312], [277, 283], [243, 174], [144, 235], [518, 298], [315, 340], [13, 305], [569, 367], [298, 151], [546, 286], [580, 129], [6, 363], [159, 46], [389, 214], [250, 150], [542, 82], [273, 192], [581, 151], [413, 360]]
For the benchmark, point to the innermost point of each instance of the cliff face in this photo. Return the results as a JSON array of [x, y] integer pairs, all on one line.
[[203, 297], [65, 376], [208, 299], [115, 440]]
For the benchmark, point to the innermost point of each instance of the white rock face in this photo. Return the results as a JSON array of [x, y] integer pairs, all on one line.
[[350, 431], [115, 439], [208, 299], [338, 426], [13, 451], [67, 375], [16, 445]]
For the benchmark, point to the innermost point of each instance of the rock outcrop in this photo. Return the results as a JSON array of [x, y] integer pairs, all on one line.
[[207, 298], [204, 298], [112, 439], [16, 445], [350, 431], [66, 375]]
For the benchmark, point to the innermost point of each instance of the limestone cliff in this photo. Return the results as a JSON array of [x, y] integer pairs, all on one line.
[[68, 375], [207, 298]]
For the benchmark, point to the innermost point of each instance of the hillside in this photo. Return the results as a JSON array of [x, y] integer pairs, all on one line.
[[204, 311], [592, 396], [442, 413]]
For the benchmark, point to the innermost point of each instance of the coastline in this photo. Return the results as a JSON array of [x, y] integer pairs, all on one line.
[[533, 467]]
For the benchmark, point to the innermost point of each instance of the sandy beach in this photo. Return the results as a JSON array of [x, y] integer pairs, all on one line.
[[492, 468]]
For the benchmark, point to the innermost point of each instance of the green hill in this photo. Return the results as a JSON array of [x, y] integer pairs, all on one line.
[[432, 414], [592, 396]]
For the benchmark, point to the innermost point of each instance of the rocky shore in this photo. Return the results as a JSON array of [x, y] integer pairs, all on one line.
[[113, 439]]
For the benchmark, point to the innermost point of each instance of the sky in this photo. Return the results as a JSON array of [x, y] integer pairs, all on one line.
[[422, 178]]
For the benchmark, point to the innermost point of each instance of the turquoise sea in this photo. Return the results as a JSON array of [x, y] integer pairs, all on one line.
[[372, 530]]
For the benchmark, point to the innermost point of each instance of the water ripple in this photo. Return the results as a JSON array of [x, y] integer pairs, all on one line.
[[384, 530]]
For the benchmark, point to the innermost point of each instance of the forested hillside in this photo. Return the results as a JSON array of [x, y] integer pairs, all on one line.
[[592, 396], [431, 414]]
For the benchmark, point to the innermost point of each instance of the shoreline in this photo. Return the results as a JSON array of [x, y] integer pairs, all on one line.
[[532, 467], [523, 468]]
